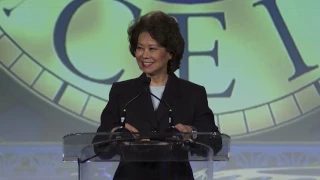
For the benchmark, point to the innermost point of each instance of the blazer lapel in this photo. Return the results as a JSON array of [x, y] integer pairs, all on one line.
[[170, 94]]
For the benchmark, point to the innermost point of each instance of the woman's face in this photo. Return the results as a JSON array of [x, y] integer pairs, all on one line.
[[151, 57]]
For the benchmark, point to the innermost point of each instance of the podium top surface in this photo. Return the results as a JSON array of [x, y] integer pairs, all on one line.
[[124, 146]]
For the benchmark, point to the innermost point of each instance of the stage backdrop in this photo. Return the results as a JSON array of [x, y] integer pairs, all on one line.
[[258, 60]]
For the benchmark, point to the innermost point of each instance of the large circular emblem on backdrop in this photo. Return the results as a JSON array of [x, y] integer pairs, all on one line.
[[259, 64]]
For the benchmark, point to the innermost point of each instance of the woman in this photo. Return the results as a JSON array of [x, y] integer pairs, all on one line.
[[157, 45]]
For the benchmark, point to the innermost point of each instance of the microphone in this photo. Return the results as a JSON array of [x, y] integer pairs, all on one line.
[[109, 148], [171, 127], [124, 115], [179, 142]]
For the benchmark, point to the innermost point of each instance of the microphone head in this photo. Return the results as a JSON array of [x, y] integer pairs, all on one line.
[[148, 80], [146, 83]]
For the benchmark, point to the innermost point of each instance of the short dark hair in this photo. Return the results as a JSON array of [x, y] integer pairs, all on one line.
[[165, 30]]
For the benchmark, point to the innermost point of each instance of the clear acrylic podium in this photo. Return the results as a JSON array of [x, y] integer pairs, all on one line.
[[91, 148]]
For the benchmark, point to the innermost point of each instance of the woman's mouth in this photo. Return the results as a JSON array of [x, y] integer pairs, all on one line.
[[147, 64]]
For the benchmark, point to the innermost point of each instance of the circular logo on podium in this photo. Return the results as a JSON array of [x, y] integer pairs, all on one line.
[[257, 63]]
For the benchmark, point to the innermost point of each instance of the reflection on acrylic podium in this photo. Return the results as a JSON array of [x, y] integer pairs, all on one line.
[[92, 149]]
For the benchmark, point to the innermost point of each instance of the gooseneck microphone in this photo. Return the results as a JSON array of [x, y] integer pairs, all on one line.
[[109, 148], [124, 114], [171, 127]]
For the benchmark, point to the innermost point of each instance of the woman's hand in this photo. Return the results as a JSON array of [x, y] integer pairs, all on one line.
[[130, 128], [184, 129], [127, 126]]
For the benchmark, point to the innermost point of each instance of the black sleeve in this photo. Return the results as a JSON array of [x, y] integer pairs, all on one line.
[[110, 116], [204, 118], [204, 122]]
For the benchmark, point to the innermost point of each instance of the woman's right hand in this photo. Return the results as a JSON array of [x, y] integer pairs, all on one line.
[[129, 127]]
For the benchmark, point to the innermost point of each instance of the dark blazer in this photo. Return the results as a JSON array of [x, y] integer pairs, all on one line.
[[189, 107]]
